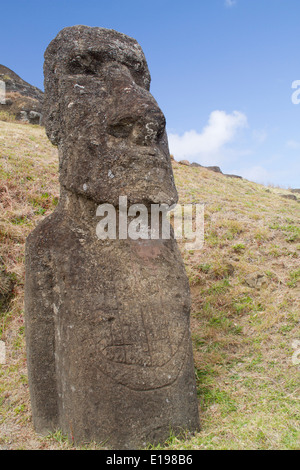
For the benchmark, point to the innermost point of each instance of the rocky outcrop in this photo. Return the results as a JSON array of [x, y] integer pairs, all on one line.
[[233, 176], [289, 196], [22, 100], [215, 169], [196, 165]]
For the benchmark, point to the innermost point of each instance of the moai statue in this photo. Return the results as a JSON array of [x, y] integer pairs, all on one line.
[[107, 321]]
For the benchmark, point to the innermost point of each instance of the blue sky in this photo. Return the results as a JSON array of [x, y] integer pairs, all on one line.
[[222, 71]]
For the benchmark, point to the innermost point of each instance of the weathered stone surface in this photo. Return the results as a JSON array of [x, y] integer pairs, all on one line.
[[97, 94], [23, 101], [107, 321], [6, 288]]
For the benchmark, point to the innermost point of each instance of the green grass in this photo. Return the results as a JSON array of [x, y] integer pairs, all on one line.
[[294, 278]]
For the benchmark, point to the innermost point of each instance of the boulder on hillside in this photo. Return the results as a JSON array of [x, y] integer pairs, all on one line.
[[196, 165], [22, 100], [289, 196], [234, 176], [216, 169]]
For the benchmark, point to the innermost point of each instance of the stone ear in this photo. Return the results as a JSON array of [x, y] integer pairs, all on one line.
[[51, 98], [51, 112], [52, 126]]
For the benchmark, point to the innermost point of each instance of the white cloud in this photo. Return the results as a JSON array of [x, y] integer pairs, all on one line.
[[230, 3], [257, 174], [207, 145], [293, 144], [271, 171], [259, 135]]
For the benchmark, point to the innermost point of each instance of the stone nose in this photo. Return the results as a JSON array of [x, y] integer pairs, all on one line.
[[136, 116]]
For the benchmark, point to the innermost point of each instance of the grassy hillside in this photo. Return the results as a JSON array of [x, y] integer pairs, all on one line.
[[245, 291]]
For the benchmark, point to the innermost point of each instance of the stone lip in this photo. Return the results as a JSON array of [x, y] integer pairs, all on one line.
[[24, 101]]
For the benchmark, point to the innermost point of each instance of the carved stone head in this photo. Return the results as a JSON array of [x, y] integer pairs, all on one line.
[[108, 127]]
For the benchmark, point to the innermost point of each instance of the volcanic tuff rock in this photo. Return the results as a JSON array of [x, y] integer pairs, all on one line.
[[109, 348]]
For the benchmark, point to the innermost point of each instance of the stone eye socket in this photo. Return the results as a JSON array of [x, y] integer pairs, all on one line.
[[78, 66], [88, 63], [121, 129], [92, 63]]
